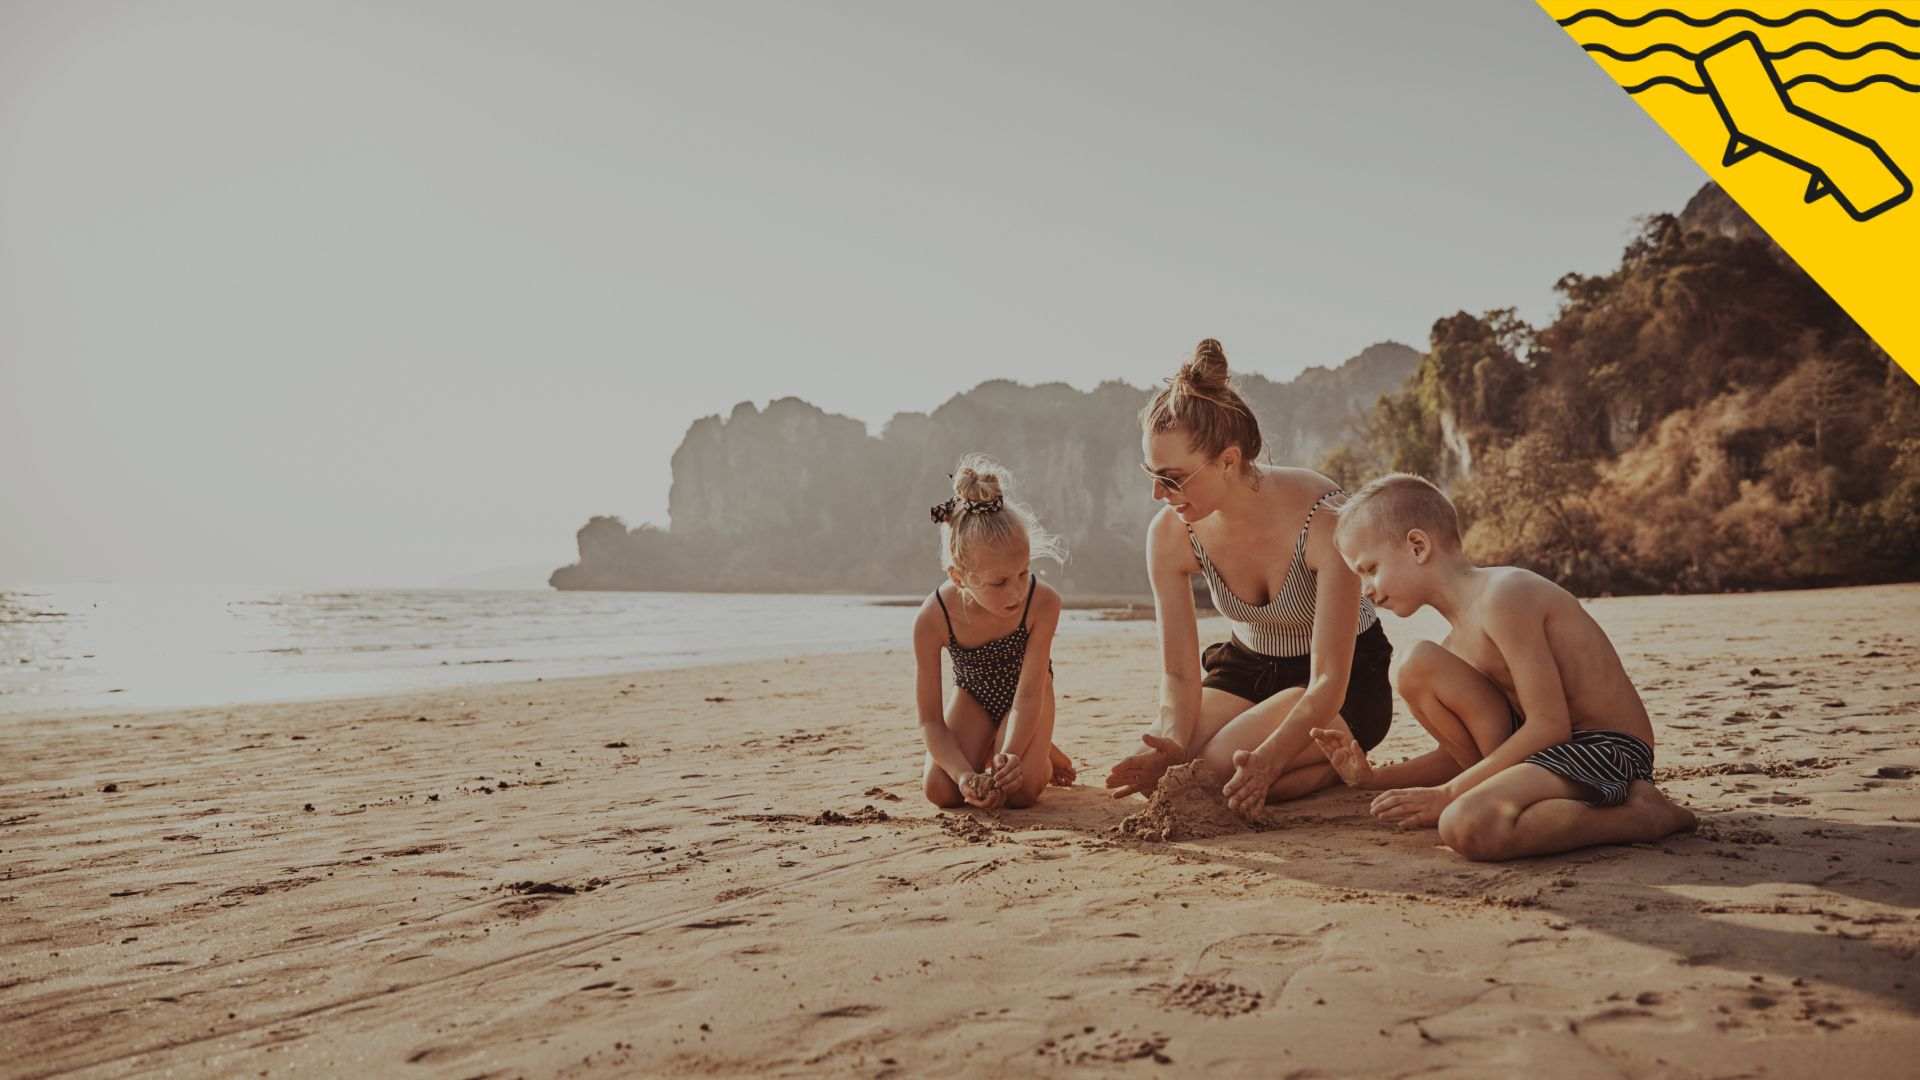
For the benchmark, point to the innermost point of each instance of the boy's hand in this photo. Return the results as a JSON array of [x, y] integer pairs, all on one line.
[[1411, 808], [1141, 773], [1246, 791], [1006, 772], [1345, 755]]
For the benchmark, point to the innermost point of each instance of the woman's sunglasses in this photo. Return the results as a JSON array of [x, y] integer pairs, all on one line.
[[1161, 478]]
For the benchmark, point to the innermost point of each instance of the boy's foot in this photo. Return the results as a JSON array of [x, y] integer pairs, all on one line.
[[1063, 772], [1664, 817], [1345, 755]]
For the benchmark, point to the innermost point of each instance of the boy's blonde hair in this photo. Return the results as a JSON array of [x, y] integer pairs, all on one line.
[[981, 514], [1398, 503], [1200, 400]]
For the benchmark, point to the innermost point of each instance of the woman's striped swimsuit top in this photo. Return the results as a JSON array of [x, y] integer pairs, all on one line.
[[1284, 626]]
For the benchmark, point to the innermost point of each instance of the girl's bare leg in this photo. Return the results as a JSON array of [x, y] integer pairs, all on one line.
[[975, 734], [1064, 773], [1036, 767]]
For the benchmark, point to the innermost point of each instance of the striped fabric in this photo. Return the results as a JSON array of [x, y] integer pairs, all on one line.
[[1284, 625], [1608, 762]]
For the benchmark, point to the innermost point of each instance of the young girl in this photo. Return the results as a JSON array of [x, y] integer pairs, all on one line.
[[992, 745]]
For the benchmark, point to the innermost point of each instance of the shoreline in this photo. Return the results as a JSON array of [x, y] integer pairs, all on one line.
[[430, 693], [509, 687], [677, 871]]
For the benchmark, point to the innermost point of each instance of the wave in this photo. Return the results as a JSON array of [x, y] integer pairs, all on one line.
[[1805, 46], [1737, 13]]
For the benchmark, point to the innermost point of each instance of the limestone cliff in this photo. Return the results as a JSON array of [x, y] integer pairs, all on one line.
[[793, 498]]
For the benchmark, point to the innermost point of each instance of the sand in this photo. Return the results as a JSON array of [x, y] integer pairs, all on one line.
[[731, 871]]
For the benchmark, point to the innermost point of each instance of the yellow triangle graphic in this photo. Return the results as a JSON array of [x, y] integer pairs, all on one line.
[[1808, 114]]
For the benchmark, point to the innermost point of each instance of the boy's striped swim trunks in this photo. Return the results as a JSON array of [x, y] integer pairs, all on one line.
[[1606, 762]]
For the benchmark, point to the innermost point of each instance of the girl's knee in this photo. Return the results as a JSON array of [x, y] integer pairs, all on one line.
[[940, 790], [1036, 772], [946, 800]]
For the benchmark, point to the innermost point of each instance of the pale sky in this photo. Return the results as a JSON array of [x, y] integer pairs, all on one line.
[[385, 294]]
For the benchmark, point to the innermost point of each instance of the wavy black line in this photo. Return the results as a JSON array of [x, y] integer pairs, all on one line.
[[1805, 46], [1737, 13], [1680, 84], [1848, 87], [1666, 80]]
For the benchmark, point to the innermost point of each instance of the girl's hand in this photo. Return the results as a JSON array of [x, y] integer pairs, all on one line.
[[975, 788], [1063, 771], [1006, 772], [1246, 791], [1141, 773], [978, 790]]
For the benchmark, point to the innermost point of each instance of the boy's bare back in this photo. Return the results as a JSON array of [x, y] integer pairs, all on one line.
[[1527, 611]]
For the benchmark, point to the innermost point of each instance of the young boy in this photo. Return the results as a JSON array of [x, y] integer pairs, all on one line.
[[1544, 743]]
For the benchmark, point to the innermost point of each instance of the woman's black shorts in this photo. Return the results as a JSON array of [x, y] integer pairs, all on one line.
[[1368, 710]]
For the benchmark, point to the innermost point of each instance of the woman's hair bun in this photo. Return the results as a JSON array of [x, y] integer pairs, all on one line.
[[1207, 371]]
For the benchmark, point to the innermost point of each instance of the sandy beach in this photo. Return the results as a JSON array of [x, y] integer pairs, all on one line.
[[730, 870]]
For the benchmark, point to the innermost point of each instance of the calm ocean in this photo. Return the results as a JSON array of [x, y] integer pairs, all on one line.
[[148, 646]]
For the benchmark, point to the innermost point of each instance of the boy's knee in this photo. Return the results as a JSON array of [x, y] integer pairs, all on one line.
[[1417, 670], [1476, 832]]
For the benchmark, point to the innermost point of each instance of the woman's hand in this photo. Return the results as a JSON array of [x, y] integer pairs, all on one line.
[[1253, 774], [1141, 773]]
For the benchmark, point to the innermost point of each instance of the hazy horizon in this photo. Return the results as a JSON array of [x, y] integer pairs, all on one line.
[[383, 297]]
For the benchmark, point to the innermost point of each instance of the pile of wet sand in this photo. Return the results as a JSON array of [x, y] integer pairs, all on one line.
[[1188, 806]]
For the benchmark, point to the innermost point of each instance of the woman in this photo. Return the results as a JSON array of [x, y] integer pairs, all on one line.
[[1306, 651]]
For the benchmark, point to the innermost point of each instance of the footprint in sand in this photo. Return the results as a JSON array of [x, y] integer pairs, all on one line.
[[1206, 997], [1718, 833], [1091, 1046]]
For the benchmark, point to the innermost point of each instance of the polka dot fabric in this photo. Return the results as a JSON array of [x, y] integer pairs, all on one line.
[[990, 672]]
